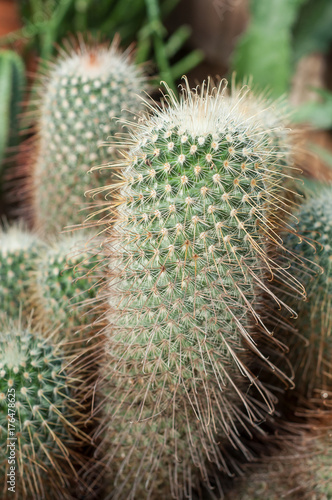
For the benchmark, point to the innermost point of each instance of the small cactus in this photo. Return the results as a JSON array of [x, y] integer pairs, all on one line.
[[312, 242], [82, 94], [60, 282], [195, 213], [37, 416], [18, 250]]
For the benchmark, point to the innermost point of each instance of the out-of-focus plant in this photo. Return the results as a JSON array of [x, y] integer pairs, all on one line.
[[12, 81], [141, 21]]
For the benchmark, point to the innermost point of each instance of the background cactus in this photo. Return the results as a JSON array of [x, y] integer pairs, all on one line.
[[312, 241], [302, 470], [18, 250], [38, 395], [60, 283], [84, 90], [197, 210]]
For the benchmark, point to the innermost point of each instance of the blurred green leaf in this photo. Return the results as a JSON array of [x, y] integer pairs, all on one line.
[[318, 114], [264, 51], [313, 29], [12, 82]]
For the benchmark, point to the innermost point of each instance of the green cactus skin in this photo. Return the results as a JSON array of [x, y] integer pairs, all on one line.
[[32, 375], [194, 212], [304, 474], [18, 249], [85, 90], [313, 243], [60, 282]]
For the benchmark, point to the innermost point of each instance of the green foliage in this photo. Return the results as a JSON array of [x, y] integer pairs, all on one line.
[[12, 82], [264, 51], [36, 405], [312, 30], [318, 114], [139, 21]]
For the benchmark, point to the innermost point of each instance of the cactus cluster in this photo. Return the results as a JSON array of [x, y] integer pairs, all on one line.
[[84, 93], [37, 414]]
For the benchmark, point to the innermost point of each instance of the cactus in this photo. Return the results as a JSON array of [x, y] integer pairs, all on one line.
[[304, 471], [18, 250], [312, 242], [84, 91], [37, 416], [60, 283], [188, 255]]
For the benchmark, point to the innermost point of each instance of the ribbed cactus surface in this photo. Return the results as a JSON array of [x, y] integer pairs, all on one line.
[[84, 92]]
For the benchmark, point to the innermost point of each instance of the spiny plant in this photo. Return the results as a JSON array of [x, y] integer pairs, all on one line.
[[312, 241], [82, 93], [60, 282], [302, 471], [38, 416], [18, 250], [196, 209]]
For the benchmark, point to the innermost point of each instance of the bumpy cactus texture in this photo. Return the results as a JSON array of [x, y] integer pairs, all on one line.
[[18, 250], [313, 242], [305, 473], [60, 283], [84, 90], [195, 214], [36, 394]]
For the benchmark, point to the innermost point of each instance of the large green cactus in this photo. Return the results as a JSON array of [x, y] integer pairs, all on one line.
[[37, 416], [82, 94], [312, 241], [196, 215]]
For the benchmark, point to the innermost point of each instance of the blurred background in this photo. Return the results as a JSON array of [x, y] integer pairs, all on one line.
[[284, 45]]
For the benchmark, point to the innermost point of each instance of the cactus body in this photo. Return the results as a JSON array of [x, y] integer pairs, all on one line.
[[313, 243], [58, 285], [37, 395], [188, 257], [304, 473], [85, 90], [18, 250]]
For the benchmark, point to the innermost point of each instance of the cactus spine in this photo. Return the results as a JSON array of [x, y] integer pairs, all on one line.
[[188, 257], [83, 93]]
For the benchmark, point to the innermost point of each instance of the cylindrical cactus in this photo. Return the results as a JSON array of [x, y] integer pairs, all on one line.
[[37, 417], [84, 91], [18, 251], [312, 241], [196, 213]]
